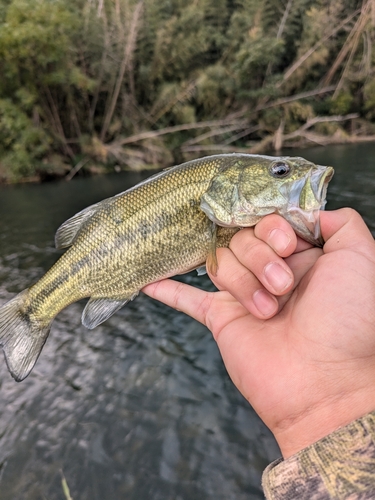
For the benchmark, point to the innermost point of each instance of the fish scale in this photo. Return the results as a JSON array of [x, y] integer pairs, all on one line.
[[169, 224]]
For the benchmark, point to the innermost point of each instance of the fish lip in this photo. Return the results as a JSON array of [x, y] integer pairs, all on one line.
[[319, 179]]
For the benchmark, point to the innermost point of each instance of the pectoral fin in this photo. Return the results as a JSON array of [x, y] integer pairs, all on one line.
[[211, 263], [99, 310]]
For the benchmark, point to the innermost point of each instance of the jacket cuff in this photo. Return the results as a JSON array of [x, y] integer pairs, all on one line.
[[338, 466]]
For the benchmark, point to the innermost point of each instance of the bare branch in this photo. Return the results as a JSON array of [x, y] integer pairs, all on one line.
[[212, 147], [128, 54], [151, 134], [297, 97], [101, 73], [57, 122], [283, 19], [362, 22], [325, 119], [318, 138], [213, 133], [76, 169], [279, 136], [244, 133], [308, 53], [182, 96]]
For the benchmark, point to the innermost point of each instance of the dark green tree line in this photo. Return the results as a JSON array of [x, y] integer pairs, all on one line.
[[103, 84]]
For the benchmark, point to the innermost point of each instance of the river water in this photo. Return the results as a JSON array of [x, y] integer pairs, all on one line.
[[140, 408]]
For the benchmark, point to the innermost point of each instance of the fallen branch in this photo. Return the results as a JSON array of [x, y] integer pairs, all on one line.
[[279, 138], [308, 53], [76, 169], [244, 133], [151, 134], [297, 97], [350, 44], [213, 147], [323, 119], [231, 121], [212, 133]]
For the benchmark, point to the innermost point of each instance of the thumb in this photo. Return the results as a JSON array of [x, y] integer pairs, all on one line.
[[344, 228]]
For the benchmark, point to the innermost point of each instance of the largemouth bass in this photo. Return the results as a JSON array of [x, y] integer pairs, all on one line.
[[168, 224]]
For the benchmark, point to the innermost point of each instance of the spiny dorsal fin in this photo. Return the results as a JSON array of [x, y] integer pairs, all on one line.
[[99, 310], [68, 231]]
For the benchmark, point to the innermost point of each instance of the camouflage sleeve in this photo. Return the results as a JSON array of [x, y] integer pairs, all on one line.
[[339, 466]]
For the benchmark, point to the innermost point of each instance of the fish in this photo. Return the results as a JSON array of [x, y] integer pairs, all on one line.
[[169, 224]]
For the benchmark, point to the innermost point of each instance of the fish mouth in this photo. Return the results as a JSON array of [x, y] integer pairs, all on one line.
[[318, 180], [309, 192], [306, 197]]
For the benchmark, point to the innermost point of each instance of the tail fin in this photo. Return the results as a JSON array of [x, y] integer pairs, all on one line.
[[21, 336]]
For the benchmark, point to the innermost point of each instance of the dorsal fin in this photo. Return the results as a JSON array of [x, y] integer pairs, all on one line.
[[68, 231]]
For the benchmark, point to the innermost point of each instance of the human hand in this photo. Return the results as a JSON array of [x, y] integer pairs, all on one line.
[[295, 325]]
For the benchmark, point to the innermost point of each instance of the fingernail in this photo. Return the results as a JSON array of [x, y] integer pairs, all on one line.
[[277, 276], [279, 240], [266, 304]]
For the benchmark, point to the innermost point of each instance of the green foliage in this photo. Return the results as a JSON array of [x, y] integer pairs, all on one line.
[[23, 145], [369, 94], [214, 86], [35, 38], [81, 77], [342, 103]]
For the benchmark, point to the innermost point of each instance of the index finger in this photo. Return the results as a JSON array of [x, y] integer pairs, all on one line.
[[182, 297], [212, 309]]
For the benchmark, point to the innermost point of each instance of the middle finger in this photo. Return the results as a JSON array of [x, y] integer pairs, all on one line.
[[259, 258]]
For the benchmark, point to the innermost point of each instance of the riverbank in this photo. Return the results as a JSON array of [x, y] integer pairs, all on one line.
[[272, 144]]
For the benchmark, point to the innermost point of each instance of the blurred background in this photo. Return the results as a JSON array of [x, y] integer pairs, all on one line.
[[141, 408], [105, 85]]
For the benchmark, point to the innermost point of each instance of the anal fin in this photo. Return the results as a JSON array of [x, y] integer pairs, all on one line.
[[98, 310]]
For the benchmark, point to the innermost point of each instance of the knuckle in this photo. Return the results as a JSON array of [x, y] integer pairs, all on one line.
[[204, 310], [241, 236], [240, 280], [351, 213], [274, 222], [177, 295], [246, 244]]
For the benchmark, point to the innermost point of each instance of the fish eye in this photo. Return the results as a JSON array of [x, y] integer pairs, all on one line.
[[280, 169]]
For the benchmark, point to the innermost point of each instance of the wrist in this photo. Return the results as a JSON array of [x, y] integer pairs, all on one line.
[[340, 465], [300, 431]]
